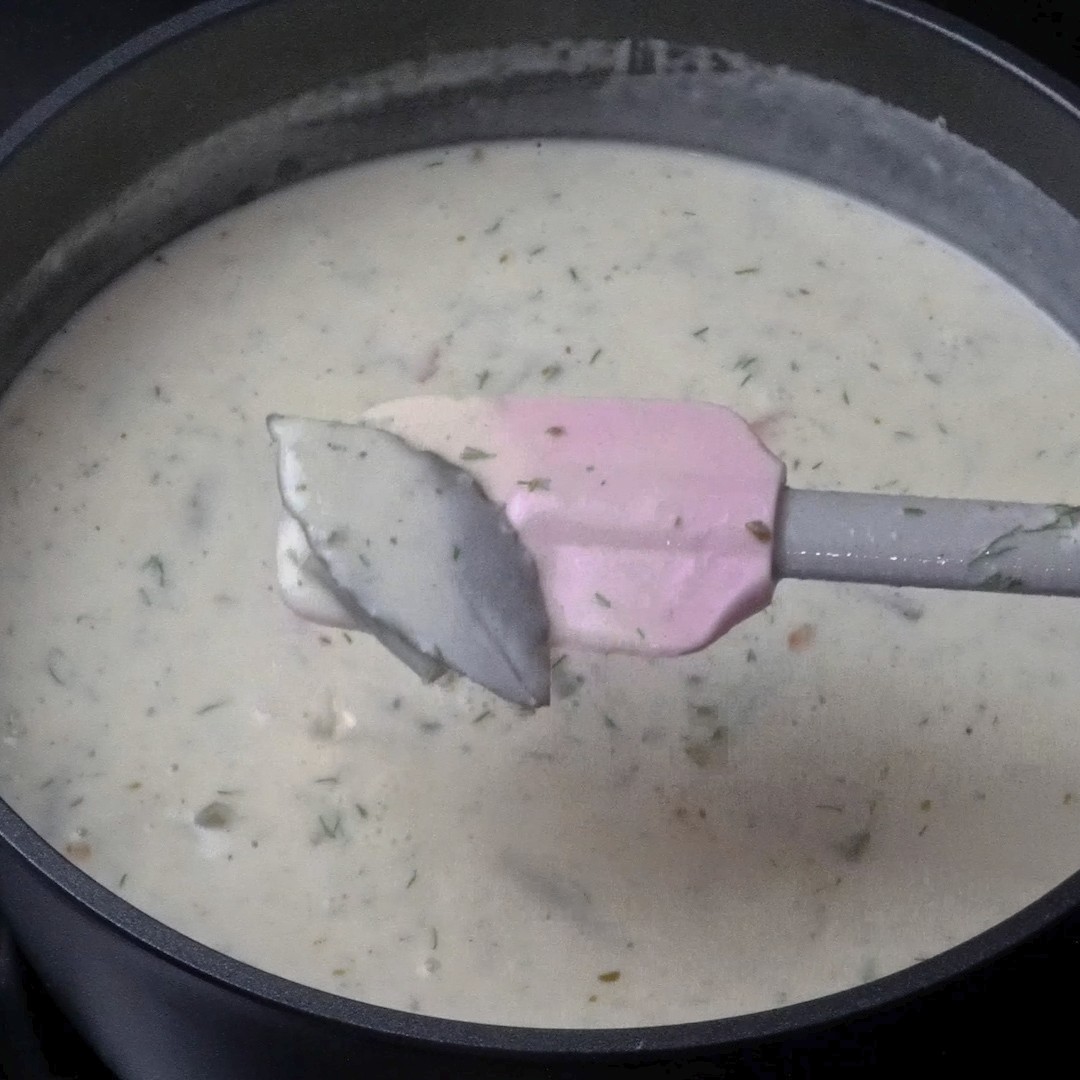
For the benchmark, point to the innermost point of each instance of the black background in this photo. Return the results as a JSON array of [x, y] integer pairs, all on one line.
[[1022, 1012]]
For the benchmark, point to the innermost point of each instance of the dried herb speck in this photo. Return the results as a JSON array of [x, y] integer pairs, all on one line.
[[852, 848], [999, 582], [157, 568], [58, 666], [537, 483], [759, 531], [330, 826], [215, 815], [212, 706]]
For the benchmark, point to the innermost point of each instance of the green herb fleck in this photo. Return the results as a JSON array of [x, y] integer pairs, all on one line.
[[844, 398], [331, 826], [999, 582], [212, 706], [456, 552], [482, 379], [552, 371], [609, 976], [747, 270], [913, 511], [537, 483], [699, 334], [702, 751], [479, 718], [412, 880], [573, 273], [555, 431], [595, 356], [157, 568], [215, 815], [852, 848], [602, 600], [58, 666], [472, 453], [1064, 517]]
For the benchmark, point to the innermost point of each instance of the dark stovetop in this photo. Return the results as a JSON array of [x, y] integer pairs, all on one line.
[[1020, 1006]]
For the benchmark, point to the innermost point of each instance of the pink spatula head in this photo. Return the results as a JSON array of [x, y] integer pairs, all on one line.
[[650, 521]]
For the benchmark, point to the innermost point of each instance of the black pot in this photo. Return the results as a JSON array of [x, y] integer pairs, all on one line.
[[131, 153]]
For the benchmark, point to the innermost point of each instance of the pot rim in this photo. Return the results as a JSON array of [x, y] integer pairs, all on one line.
[[395, 1025]]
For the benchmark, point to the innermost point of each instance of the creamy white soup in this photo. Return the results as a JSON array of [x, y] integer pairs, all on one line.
[[850, 781]]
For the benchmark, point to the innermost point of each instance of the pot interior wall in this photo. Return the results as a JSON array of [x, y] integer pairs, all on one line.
[[266, 96]]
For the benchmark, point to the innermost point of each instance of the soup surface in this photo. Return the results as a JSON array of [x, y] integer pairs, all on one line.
[[850, 781]]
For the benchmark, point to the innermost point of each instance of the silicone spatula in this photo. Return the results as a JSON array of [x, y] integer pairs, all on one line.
[[655, 526]]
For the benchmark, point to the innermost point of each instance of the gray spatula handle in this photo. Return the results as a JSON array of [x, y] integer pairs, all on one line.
[[900, 540]]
